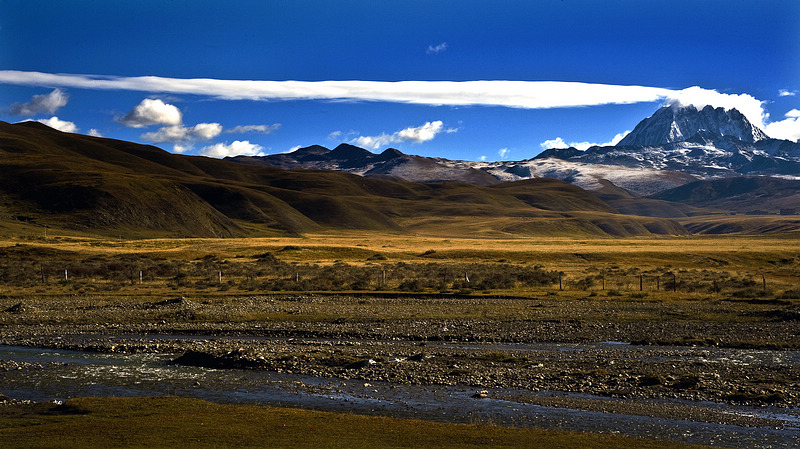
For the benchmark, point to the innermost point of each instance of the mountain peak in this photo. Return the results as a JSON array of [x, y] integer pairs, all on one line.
[[347, 151], [35, 125], [313, 149], [677, 123]]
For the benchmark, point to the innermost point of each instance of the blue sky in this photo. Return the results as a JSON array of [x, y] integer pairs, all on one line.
[[457, 79]]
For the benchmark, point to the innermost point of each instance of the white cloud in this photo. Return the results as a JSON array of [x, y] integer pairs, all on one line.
[[437, 48], [183, 134], [482, 158], [558, 142], [749, 106], [787, 93], [341, 136], [152, 112], [237, 148], [41, 103], [503, 153], [617, 138], [178, 148], [373, 142], [94, 132], [61, 125], [294, 148], [262, 129], [788, 128], [516, 94], [419, 134]]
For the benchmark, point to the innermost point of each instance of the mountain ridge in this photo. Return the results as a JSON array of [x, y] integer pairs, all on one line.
[[676, 145], [113, 187], [82, 182]]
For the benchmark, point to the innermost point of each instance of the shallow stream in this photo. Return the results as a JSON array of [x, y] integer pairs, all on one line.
[[68, 374]]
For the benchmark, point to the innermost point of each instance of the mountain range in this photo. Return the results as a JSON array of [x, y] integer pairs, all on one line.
[[682, 170], [675, 146], [84, 184]]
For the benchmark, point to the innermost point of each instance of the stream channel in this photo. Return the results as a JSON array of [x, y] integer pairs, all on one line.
[[67, 374]]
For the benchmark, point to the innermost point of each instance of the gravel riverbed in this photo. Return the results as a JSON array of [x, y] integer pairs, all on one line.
[[572, 359]]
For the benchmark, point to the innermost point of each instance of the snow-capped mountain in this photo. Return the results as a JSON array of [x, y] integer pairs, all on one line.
[[589, 176], [674, 123], [707, 143], [675, 146]]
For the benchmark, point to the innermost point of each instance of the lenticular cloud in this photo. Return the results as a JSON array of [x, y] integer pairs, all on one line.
[[696, 96], [514, 94], [517, 94]]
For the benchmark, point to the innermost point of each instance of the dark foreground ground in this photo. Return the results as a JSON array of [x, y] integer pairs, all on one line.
[[556, 351], [172, 422]]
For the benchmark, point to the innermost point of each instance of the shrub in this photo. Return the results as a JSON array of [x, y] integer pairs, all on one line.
[[751, 292], [790, 294], [652, 380]]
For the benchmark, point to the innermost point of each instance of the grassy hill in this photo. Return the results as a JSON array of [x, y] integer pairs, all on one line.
[[112, 187], [741, 194]]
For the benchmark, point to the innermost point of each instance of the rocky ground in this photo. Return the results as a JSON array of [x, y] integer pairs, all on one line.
[[556, 347]]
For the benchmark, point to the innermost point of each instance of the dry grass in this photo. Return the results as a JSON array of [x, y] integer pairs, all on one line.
[[173, 422], [705, 267]]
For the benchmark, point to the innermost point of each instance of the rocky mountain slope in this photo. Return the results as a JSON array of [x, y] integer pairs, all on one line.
[[389, 164], [673, 147], [673, 123], [704, 144]]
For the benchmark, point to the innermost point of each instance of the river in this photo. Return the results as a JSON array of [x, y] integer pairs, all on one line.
[[67, 374]]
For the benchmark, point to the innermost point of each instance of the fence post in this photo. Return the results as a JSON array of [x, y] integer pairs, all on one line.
[[559, 282], [764, 282], [640, 283]]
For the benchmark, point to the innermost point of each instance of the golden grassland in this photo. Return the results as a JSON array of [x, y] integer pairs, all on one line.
[[629, 264], [563, 253], [173, 422], [406, 246]]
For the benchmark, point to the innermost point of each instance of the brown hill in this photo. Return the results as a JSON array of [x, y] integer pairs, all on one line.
[[390, 164], [112, 187], [739, 194]]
